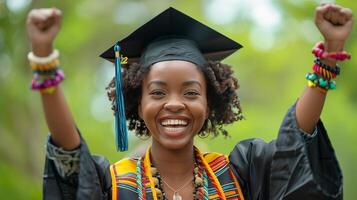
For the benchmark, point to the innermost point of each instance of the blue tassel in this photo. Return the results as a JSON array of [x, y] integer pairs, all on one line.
[[121, 132]]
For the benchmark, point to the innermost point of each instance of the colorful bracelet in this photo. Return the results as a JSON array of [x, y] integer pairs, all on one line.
[[323, 72], [315, 81], [46, 72], [45, 66], [47, 83], [43, 60], [319, 52], [335, 70]]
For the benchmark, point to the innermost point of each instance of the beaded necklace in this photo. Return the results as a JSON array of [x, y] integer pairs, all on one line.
[[159, 187], [201, 175]]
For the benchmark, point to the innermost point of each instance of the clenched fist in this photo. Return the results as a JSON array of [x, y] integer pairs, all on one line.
[[335, 24], [42, 27]]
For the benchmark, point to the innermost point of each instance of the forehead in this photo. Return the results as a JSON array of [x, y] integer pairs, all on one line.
[[174, 71]]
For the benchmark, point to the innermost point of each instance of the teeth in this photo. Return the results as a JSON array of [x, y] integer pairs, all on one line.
[[173, 129], [173, 122]]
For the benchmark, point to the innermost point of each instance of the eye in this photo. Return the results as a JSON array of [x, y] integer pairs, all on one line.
[[192, 93], [157, 93]]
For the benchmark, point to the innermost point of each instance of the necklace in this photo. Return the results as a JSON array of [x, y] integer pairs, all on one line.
[[176, 195], [200, 180], [197, 179]]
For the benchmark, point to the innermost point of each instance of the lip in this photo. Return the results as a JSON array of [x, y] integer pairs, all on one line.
[[181, 117]]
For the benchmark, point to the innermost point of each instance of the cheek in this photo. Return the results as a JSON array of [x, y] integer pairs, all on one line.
[[200, 110], [148, 109]]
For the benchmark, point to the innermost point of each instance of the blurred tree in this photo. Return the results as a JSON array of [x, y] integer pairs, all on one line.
[[277, 36]]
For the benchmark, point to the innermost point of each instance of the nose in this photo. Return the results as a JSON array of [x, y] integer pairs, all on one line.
[[174, 105]]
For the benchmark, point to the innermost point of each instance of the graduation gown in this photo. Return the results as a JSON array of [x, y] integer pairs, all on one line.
[[294, 166]]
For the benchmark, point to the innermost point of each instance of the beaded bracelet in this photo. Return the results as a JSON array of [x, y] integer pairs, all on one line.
[[319, 52], [46, 72], [335, 70], [323, 72], [43, 60], [315, 81], [44, 66], [47, 83]]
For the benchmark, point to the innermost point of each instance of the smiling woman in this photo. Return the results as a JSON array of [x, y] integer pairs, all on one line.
[[166, 100], [173, 88]]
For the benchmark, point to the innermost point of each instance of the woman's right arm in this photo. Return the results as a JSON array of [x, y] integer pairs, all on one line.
[[42, 27]]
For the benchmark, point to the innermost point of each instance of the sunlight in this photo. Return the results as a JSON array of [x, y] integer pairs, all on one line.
[[17, 5], [222, 11], [265, 14]]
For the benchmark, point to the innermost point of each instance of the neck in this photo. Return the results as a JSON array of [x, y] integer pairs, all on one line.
[[173, 164]]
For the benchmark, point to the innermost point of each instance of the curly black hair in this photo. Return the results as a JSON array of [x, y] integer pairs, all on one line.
[[222, 98]]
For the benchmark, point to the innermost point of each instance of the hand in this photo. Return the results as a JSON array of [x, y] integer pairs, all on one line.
[[42, 28], [335, 24]]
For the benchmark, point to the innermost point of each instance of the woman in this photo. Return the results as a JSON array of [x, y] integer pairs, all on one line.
[[175, 92]]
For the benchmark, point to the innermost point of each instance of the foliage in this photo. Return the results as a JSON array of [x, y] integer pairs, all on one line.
[[270, 68]]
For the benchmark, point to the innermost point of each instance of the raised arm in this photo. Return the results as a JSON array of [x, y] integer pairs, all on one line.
[[335, 24], [42, 27]]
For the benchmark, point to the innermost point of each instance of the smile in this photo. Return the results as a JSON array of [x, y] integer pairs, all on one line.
[[174, 127], [173, 122]]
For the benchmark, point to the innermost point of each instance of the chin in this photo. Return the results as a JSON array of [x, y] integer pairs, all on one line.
[[176, 144]]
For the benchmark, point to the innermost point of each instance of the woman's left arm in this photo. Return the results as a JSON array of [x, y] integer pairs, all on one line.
[[335, 24]]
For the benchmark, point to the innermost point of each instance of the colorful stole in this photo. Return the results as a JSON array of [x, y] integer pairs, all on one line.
[[222, 184]]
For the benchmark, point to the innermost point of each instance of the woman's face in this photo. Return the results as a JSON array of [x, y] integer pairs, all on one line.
[[174, 103]]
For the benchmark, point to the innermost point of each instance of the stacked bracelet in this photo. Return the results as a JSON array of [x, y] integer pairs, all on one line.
[[323, 84], [319, 52], [335, 70], [46, 72], [324, 70], [43, 60], [323, 74]]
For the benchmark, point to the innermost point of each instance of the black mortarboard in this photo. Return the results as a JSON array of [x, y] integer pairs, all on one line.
[[171, 22], [171, 35]]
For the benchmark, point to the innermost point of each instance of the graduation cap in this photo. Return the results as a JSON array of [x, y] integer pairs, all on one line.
[[171, 35]]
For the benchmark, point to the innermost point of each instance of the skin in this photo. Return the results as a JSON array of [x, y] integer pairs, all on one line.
[[335, 24], [42, 28], [180, 97], [175, 159]]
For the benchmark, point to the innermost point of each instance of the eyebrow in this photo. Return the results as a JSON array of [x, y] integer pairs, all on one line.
[[186, 83], [192, 82], [156, 82]]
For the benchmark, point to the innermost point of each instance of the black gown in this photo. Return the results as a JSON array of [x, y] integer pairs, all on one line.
[[294, 166]]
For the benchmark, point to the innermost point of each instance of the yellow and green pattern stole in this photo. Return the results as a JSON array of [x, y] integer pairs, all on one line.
[[222, 184]]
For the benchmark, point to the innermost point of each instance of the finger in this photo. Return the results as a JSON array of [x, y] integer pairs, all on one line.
[[56, 12], [48, 23], [39, 15], [57, 15], [341, 19], [34, 16], [349, 23], [335, 7], [347, 13], [47, 12], [320, 12], [327, 15], [334, 16]]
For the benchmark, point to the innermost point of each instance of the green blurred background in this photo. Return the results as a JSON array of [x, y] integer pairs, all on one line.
[[277, 37]]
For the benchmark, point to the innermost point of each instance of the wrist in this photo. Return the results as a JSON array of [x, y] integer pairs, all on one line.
[[334, 45], [42, 50]]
